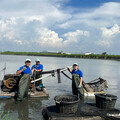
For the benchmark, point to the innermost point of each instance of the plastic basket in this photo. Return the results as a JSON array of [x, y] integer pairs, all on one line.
[[67, 104], [105, 101]]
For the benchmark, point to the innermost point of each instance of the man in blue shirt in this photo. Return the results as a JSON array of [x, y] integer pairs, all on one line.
[[77, 77], [36, 71], [24, 73]]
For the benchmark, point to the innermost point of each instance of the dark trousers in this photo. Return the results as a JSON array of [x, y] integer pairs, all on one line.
[[75, 83], [36, 75], [78, 92], [23, 86]]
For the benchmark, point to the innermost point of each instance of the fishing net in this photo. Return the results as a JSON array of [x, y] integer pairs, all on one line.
[[97, 85]]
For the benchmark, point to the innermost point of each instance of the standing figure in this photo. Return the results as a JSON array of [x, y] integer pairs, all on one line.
[[77, 77], [36, 71], [23, 86]]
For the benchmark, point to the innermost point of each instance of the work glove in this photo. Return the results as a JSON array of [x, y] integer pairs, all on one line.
[[79, 86], [24, 68]]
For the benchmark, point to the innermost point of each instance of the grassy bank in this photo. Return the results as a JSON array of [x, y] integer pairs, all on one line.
[[107, 57]]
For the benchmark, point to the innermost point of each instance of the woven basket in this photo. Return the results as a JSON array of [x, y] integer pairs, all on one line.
[[67, 104], [105, 101]]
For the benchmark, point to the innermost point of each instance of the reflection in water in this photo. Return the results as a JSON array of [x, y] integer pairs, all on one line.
[[31, 109], [23, 112], [26, 110]]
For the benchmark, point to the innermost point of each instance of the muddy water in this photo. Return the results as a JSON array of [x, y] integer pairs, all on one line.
[[31, 109]]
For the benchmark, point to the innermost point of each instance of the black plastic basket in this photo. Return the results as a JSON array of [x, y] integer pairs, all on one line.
[[105, 101], [67, 104]]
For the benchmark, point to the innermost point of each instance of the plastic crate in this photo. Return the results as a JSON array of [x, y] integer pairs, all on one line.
[[105, 101], [67, 104]]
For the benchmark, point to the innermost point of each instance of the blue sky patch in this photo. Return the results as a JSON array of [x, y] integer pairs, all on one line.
[[87, 3]]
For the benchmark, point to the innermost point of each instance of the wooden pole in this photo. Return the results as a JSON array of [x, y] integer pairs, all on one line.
[[58, 75]]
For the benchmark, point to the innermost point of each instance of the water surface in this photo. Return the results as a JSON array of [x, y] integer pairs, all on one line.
[[31, 109]]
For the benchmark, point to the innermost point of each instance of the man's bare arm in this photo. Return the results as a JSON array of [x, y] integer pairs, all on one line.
[[18, 72], [39, 70], [69, 69], [32, 71], [81, 81]]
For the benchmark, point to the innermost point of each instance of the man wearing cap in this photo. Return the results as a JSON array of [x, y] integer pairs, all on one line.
[[77, 77], [36, 71], [24, 73]]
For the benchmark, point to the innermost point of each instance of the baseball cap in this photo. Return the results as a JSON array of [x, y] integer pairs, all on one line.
[[75, 64], [37, 60], [28, 60]]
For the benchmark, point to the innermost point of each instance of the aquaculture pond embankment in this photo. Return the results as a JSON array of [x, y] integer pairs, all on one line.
[[92, 56]]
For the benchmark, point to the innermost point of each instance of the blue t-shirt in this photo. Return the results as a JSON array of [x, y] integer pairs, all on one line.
[[79, 72], [40, 66], [27, 71]]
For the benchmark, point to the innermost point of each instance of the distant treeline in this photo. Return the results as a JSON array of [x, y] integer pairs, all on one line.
[[92, 56]]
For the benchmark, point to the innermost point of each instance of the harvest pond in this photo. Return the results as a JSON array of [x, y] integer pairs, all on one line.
[[31, 109]]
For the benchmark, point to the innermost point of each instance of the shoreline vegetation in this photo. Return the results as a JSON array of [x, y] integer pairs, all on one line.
[[92, 56]]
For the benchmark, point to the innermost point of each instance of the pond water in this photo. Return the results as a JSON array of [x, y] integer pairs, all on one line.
[[31, 109]]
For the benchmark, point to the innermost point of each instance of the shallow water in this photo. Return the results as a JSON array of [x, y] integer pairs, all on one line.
[[31, 109]]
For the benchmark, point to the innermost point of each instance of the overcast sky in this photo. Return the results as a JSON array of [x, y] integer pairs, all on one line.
[[75, 26]]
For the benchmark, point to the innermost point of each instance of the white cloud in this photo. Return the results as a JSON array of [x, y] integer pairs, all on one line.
[[26, 33], [105, 15], [110, 32], [8, 31], [108, 35], [48, 38], [105, 43], [45, 11], [74, 37], [18, 42], [47, 26]]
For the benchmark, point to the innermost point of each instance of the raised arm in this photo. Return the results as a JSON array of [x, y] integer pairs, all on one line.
[[19, 71], [69, 69]]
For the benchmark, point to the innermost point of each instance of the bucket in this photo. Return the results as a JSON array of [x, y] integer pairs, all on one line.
[[105, 101], [67, 104]]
